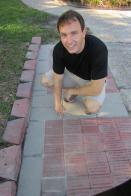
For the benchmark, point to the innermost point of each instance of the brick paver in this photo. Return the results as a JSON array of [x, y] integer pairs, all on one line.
[[10, 161], [21, 108], [8, 188], [24, 90], [85, 156], [27, 76], [30, 64], [31, 55], [34, 47], [15, 131], [36, 40]]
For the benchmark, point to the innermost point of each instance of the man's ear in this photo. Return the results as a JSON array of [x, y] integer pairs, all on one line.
[[84, 32]]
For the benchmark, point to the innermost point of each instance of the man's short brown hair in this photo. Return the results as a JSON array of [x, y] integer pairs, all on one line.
[[68, 16]]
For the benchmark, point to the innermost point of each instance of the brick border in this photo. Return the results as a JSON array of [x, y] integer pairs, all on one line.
[[10, 157]]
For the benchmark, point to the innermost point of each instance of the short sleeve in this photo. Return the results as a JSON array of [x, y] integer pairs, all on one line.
[[58, 59], [99, 63]]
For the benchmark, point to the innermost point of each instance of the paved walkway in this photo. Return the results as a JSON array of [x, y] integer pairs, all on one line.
[[76, 155], [112, 26]]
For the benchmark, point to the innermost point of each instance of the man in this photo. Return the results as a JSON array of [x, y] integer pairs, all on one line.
[[79, 65]]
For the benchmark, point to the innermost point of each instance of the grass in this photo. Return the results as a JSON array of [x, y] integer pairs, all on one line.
[[18, 24]]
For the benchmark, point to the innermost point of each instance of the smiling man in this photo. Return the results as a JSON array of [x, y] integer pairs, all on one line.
[[79, 65]]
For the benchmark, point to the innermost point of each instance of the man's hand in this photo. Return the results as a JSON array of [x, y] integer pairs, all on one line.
[[59, 109]]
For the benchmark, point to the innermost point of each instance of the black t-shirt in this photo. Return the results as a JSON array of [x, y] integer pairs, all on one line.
[[90, 64]]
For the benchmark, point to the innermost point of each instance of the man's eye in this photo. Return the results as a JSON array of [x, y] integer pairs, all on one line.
[[63, 35], [74, 33]]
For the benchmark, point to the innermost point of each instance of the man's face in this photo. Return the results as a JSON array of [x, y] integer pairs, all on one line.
[[72, 36]]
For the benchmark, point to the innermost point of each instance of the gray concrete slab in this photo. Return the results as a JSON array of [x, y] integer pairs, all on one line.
[[42, 66], [37, 83], [41, 114], [39, 92], [113, 106], [34, 139], [46, 101], [30, 177]]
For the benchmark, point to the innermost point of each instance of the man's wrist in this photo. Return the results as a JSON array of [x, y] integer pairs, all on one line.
[[75, 91]]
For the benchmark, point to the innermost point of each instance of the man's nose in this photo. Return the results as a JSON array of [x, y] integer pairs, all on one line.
[[69, 39]]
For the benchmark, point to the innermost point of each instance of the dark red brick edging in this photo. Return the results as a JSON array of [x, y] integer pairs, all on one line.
[[10, 157]]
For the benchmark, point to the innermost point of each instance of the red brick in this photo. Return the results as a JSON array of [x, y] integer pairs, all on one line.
[[55, 159], [74, 148], [30, 64], [53, 184], [54, 165], [8, 189], [93, 143], [10, 160], [53, 194], [24, 90], [74, 138], [54, 149], [108, 128], [114, 144], [76, 170], [79, 192], [117, 155], [72, 122], [129, 153], [72, 129], [54, 124], [21, 108], [75, 159], [15, 130], [54, 131], [100, 181], [36, 40], [96, 157], [89, 122], [106, 121], [53, 139], [34, 47], [78, 182], [32, 55], [120, 167], [27, 76], [90, 129], [98, 168]]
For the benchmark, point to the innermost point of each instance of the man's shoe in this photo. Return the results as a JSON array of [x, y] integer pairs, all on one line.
[[71, 99]]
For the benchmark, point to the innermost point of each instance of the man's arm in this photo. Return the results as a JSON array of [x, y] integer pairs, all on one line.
[[58, 93], [94, 88]]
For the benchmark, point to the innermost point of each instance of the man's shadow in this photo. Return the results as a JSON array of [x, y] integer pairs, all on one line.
[[121, 190]]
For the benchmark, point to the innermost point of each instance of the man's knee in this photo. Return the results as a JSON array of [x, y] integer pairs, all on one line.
[[92, 106]]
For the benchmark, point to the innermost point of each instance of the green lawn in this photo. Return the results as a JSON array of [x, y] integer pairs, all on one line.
[[18, 24]]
